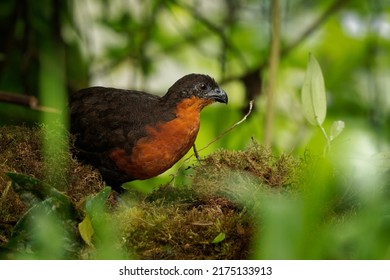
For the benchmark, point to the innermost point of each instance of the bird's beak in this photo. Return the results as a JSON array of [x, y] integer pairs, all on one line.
[[218, 94]]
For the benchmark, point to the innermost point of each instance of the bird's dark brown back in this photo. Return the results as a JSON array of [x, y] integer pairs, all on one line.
[[105, 118]]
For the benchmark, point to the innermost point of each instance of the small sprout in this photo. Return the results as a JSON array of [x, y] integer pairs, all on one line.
[[314, 102], [336, 129], [219, 238]]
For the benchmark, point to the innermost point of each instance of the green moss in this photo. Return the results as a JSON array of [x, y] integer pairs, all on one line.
[[239, 175], [184, 231], [173, 222], [182, 222]]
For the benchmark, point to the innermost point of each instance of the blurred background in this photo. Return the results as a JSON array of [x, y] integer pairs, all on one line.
[[256, 50], [52, 48]]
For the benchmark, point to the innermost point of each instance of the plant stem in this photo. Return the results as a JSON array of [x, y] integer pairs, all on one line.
[[273, 68], [327, 147]]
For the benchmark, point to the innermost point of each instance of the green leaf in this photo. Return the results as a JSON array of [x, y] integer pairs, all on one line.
[[219, 238], [95, 218], [95, 215], [313, 93], [96, 204], [46, 207], [46, 230], [86, 230], [33, 191]]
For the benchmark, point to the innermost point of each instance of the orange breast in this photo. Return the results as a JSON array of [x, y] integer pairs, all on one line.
[[164, 144]]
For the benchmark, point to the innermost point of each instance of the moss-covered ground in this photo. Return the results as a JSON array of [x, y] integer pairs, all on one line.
[[210, 217]]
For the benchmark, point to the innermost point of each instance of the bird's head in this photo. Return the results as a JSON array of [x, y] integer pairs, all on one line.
[[197, 86]]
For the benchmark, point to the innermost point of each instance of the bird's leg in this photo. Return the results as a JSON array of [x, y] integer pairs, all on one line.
[[196, 153]]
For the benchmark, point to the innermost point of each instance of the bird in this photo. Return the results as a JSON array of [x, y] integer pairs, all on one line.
[[134, 135]]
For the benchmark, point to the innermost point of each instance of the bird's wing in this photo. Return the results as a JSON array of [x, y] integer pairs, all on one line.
[[105, 118]]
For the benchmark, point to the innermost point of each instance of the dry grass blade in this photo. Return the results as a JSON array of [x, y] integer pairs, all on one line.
[[231, 128]]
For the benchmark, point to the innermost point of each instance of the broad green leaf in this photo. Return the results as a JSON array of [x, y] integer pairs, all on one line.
[[46, 207], [96, 203], [94, 208], [86, 230], [46, 230], [219, 238], [33, 191], [313, 93], [95, 219]]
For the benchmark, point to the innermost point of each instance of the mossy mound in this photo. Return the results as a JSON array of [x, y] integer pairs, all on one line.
[[185, 229], [21, 152], [213, 217], [242, 175], [210, 218]]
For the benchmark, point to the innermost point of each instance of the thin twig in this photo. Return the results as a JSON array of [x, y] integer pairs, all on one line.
[[231, 128], [216, 139], [26, 101]]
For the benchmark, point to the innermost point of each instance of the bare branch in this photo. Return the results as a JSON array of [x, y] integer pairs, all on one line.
[[26, 101]]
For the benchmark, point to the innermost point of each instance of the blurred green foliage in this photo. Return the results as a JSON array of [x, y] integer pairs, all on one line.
[[150, 44], [52, 48]]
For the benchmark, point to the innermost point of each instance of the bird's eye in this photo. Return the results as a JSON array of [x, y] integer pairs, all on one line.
[[202, 86]]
